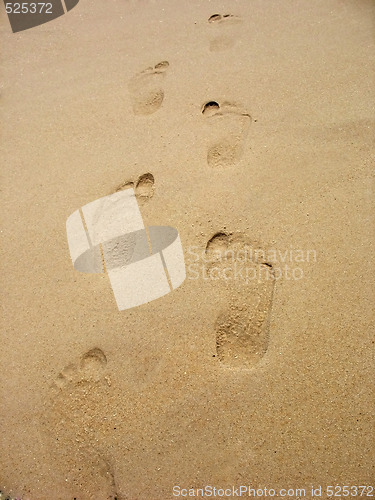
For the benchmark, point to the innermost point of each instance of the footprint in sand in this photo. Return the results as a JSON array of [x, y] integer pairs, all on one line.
[[224, 31], [144, 187], [75, 418], [227, 129], [90, 369], [146, 89], [243, 284]]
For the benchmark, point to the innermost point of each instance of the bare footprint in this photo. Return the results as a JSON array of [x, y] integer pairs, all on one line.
[[227, 129], [146, 89], [90, 369], [144, 187], [75, 418], [224, 31], [244, 286]]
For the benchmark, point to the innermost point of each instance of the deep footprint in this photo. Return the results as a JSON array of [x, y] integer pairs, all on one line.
[[144, 187], [217, 245], [224, 31], [146, 89], [227, 129], [245, 293]]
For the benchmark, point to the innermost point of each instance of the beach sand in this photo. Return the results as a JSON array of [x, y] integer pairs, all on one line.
[[244, 125]]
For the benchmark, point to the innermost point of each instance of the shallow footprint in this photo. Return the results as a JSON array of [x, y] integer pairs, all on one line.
[[92, 364], [224, 31], [90, 368], [146, 89], [244, 286], [227, 129], [75, 420]]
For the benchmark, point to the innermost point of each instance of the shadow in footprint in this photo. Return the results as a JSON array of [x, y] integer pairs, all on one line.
[[224, 31], [144, 187], [146, 89], [227, 129], [244, 286], [92, 364]]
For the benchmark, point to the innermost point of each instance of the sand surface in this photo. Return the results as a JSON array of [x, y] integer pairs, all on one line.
[[222, 382]]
